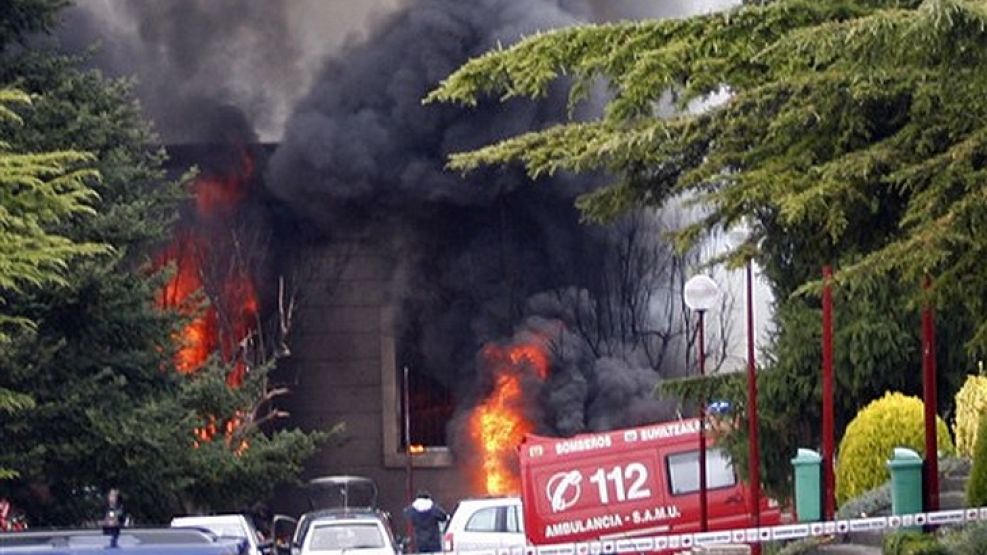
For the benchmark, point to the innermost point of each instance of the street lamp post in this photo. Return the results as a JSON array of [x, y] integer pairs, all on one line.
[[700, 294], [737, 237]]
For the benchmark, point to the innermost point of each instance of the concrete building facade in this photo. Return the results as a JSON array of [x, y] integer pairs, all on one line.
[[344, 371]]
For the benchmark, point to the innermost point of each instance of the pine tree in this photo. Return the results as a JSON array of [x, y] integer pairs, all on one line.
[[20, 18], [847, 132], [109, 409], [39, 191]]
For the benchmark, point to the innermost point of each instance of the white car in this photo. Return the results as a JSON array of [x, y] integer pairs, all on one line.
[[229, 526], [354, 532], [485, 523]]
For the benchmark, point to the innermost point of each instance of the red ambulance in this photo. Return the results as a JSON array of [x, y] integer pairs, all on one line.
[[630, 482]]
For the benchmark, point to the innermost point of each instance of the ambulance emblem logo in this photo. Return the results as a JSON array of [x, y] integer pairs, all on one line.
[[564, 489]]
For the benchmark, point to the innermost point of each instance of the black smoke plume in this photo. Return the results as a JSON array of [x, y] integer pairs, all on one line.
[[491, 258]]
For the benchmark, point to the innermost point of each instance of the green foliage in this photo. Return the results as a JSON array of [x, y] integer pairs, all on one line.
[[41, 190], [870, 503], [971, 405], [798, 547], [108, 409], [913, 543], [848, 133], [875, 336], [894, 420], [976, 487], [878, 500], [20, 18], [969, 540], [839, 113]]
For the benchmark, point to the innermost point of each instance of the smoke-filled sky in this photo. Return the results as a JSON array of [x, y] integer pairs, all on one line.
[[258, 56], [338, 84], [489, 259]]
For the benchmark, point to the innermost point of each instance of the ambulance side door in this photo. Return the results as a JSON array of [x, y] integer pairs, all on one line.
[[726, 505]]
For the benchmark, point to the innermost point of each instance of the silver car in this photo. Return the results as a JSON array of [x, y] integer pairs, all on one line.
[[334, 532], [228, 526]]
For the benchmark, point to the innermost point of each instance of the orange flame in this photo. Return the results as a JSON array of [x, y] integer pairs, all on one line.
[[236, 296], [197, 340], [232, 314], [208, 432], [497, 425], [222, 194]]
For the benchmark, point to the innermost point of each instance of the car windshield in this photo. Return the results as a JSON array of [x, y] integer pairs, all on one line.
[[225, 528], [334, 537]]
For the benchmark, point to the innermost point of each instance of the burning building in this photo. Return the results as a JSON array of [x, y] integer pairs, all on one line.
[[510, 315]]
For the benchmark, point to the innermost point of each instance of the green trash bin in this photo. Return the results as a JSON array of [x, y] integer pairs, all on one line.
[[906, 481], [808, 485]]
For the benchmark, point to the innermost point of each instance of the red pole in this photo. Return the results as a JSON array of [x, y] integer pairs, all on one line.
[[829, 482], [409, 483], [929, 398], [754, 451], [703, 511]]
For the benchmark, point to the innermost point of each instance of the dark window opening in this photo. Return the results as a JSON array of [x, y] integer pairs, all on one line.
[[430, 402]]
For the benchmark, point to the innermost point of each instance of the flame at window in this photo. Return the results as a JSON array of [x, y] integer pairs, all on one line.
[[205, 269], [212, 287], [498, 424]]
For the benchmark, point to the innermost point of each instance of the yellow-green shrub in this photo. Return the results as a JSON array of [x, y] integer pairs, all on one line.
[[894, 420], [971, 403], [976, 486]]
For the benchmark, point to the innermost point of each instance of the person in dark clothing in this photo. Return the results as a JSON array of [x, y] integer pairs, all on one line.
[[261, 516], [115, 516], [425, 516]]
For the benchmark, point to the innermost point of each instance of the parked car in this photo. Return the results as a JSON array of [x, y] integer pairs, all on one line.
[[353, 531], [131, 541], [485, 523], [227, 526], [344, 517]]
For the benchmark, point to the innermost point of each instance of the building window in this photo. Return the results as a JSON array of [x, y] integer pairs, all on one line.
[[430, 403], [431, 409]]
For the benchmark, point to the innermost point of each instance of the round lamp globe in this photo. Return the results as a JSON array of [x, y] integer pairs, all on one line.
[[701, 293]]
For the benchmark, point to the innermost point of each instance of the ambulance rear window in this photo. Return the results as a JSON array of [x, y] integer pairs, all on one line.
[[683, 471]]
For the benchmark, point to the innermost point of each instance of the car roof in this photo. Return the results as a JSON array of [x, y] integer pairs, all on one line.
[[353, 520], [339, 514], [499, 500], [143, 535], [136, 540], [225, 519]]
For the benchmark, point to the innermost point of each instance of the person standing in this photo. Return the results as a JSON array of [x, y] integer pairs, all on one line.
[[260, 514], [425, 516], [115, 517]]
